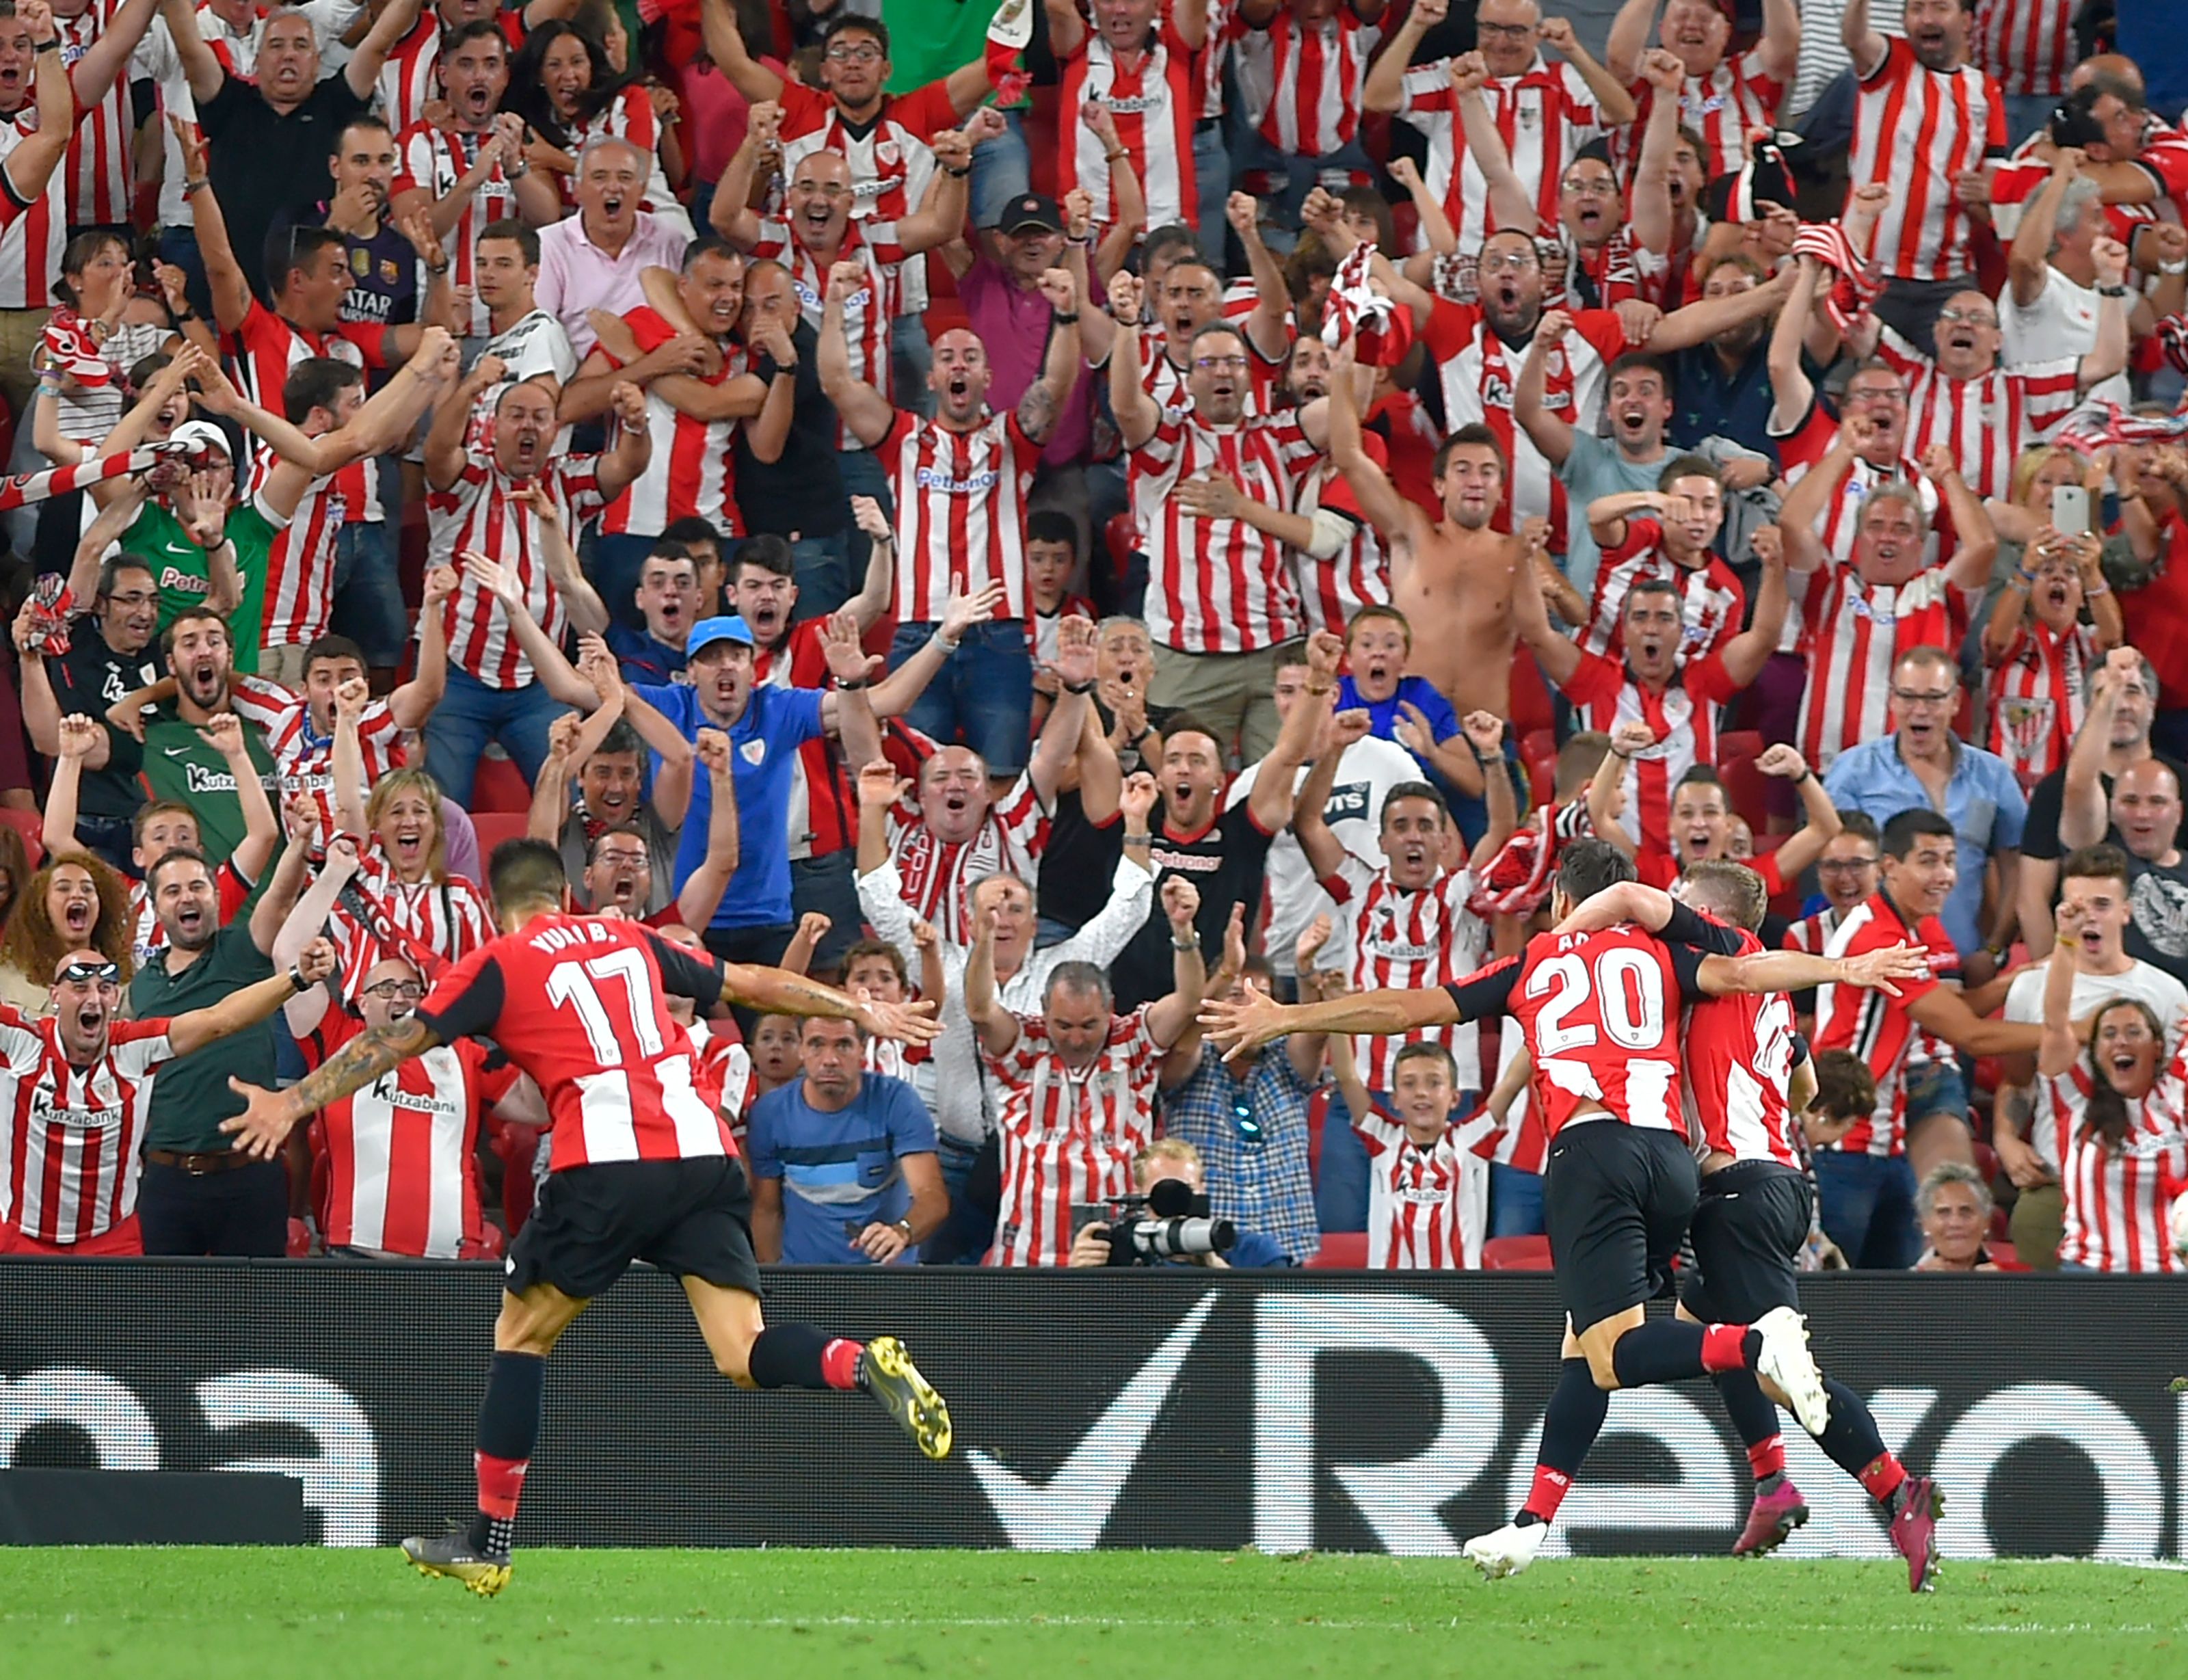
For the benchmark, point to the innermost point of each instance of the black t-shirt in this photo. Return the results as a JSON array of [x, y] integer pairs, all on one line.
[[383, 270], [263, 162], [2039, 832], [1226, 861], [1079, 864], [2157, 910], [87, 680], [802, 492]]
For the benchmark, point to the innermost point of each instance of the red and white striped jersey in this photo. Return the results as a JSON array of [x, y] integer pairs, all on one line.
[[1415, 1210], [1224, 27], [411, 79], [1876, 1025], [1986, 422], [1068, 1134], [97, 161], [1409, 941], [433, 160], [1711, 601], [1330, 591], [938, 875], [1684, 717], [73, 1133], [1300, 83], [432, 923], [402, 1153], [300, 561], [689, 470], [867, 312], [722, 1069], [1913, 130], [148, 939], [1156, 105], [1217, 585], [303, 758], [1544, 117], [581, 1004], [1596, 277], [1738, 1055], [476, 512], [891, 159], [31, 235], [2027, 45], [2117, 1198], [1857, 631], [1800, 451], [961, 509], [268, 346], [1479, 372], [2037, 697], [1813, 933], [1721, 107]]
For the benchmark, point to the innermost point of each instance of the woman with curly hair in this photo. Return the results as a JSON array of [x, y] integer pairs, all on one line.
[[76, 903], [2109, 1116], [563, 83], [405, 903]]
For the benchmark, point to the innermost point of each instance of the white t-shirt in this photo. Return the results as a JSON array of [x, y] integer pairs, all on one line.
[[2167, 997], [2062, 322], [1369, 770]]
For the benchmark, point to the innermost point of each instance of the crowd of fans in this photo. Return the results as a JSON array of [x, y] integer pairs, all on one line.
[[1068, 513]]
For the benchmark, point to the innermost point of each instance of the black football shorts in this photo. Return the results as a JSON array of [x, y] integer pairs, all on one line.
[[691, 1218], [1748, 1231], [1615, 1203]]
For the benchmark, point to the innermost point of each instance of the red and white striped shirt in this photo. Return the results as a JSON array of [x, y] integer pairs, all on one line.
[[1163, 380], [268, 346], [2027, 45], [1481, 372], [402, 1153], [1543, 117], [1711, 601], [1415, 1212], [432, 161], [892, 160], [303, 758], [421, 921], [1876, 1025], [2118, 1201], [1155, 106], [1721, 107], [961, 509], [411, 79], [1857, 632], [98, 162], [938, 874], [1913, 130], [73, 1133], [31, 235], [1068, 1135], [300, 561], [1409, 941], [630, 116], [1300, 83], [2037, 697], [476, 512], [1358, 575], [689, 470], [1738, 1054], [1985, 422], [867, 312], [1684, 717], [1217, 585]]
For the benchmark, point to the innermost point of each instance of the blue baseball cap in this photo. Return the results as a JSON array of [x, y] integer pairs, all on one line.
[[708, 631]]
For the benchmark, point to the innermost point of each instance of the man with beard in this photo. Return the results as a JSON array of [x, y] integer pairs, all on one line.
[[1723, 386], [272, 134], [109, 654], [199, 1196], [959, 482], [76, 1090], [2140, 813], [423, 64]]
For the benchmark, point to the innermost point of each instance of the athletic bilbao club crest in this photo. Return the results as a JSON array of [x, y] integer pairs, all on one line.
[[2024, 722], [754, 752]]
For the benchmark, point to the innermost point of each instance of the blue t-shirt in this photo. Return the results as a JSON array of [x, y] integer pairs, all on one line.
[[1383, 715], [764, 747], [643, 659], [839, 1171]]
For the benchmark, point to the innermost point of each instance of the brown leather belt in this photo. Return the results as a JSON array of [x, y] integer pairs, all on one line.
[[218, 1160]]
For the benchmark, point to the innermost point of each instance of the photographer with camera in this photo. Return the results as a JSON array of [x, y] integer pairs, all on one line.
[[1078, 1082], [1165, 1222]]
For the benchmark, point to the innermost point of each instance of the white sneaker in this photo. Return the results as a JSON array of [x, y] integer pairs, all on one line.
[[1508, 1551], [1787, 1363]]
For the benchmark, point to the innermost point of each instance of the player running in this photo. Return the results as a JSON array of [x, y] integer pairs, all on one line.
[[642, 1166], [1599, 1014], [1753, 1221]]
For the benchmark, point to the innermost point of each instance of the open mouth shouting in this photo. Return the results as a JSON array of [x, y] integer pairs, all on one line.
[[1632, 420], [408, 844], [90, 1018], [189, 922], [816, 216], [77, 919], [202, 678], [478, 104]]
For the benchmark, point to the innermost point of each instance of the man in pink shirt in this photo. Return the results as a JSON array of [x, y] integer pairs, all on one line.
[[594, 260]]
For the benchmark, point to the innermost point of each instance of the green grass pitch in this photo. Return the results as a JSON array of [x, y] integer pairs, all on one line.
[[328, 1615]]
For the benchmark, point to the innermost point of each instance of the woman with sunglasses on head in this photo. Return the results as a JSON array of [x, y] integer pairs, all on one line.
[[564, 85], [74, 905], [72, 1147]]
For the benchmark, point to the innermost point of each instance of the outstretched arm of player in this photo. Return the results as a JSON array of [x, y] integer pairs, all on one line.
[[252, 1004], [1246, 1023], [1793, 971], [774, 991], [268, 1116]]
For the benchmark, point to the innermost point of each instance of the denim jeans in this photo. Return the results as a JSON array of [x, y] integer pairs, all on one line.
[[983, 695], [368, 601], [471, 714], [1299, 175], [1868, 1209], [821, 567], [972, 1177], [1515, 1201], [1002, 170], [910, 356], [616, 559], [1211, 181]]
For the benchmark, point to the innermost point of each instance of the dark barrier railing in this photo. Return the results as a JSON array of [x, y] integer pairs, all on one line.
[[1388, 1411]]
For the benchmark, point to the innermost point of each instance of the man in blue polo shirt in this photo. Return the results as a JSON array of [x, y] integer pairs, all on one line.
[[843, 1167], [766, 726]]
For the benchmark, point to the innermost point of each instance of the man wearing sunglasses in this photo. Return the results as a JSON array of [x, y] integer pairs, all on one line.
[[75, 1089]]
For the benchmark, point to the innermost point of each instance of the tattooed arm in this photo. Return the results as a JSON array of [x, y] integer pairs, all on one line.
[[270, 1115]]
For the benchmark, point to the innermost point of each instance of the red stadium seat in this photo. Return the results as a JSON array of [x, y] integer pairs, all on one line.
[[492, 827], [1987, 1164], [1737, 744], [1120, 536], [499, 786], [1539, 751], [1340, 1251], [1516, 1254], [29, 824], [1748, 791]]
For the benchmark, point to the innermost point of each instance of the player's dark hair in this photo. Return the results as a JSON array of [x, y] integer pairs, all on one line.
[[509, 228], [333, 647], [2105, 1115], [478, 29], [316, 382], [1845, 1090], [299, 252], [771, 554], [177, 855], [711, 244], [372, 124], [1586, 867], [2095, 863], [621, 737], [1052, 525], [1732, 892], [1473, 436], [1411, 790], [1702, 775], [1690, 466], [880, 948], [1859, 824], [667, 548], [1420, 1051], [527, 872], [1903, 830], [1078, 977]]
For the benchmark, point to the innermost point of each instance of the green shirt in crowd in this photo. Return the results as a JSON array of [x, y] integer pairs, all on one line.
[[175, 761], [184, 577], [929, 38], [190, 1098]]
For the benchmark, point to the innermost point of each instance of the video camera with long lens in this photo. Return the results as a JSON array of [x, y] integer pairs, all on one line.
[[1170, 1222]]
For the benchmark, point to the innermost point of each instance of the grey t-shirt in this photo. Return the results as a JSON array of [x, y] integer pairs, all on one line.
[[1596, 467]]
